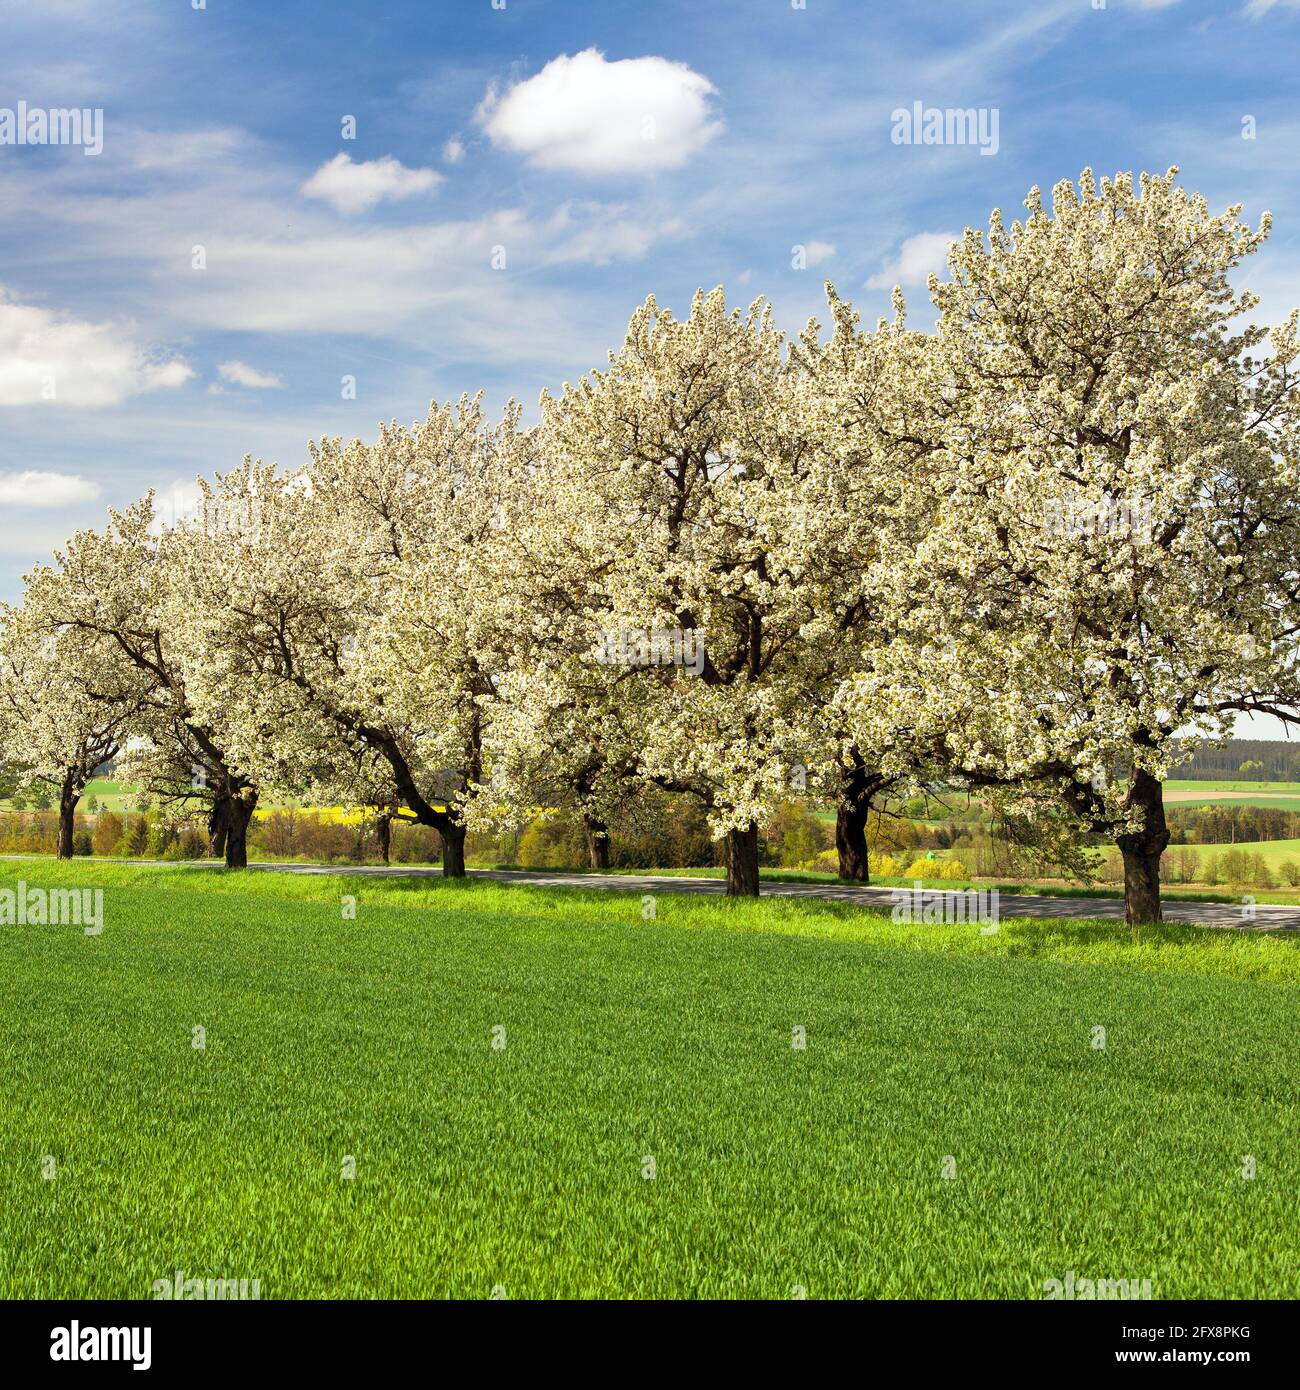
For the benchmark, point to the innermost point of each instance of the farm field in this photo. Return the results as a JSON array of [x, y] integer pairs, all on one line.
[[1233, 793], [1274, 852], [1231, 784], [1283, 803], [930, 1049]]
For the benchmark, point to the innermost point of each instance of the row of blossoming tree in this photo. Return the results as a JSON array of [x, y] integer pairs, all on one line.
[[1041, 552]]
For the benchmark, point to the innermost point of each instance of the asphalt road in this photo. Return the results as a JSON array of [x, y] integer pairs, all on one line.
[[1267, 917], [1263, 917]]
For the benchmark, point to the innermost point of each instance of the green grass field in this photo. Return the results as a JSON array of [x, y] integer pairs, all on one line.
[[1281, 803], [1274, 852], [1232, 784], [115, 796], [929, 1049]]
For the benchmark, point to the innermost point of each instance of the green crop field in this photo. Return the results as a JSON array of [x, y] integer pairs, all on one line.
[[930, 1051], [1283, 803], [114, 796]]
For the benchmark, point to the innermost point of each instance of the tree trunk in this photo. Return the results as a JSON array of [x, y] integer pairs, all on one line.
[[68, 798], [1142, 850], [597, 842], [453, 850], [239, 814], [858, 788], [219, 825], [384, 830], [742, 862], [851, 823], [851, 843]]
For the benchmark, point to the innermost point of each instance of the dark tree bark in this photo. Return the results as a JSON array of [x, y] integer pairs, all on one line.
[[742, 862], [1142, 849], [384, 833], [233, 804], [597, 833], [218, 826], [851, 843], [851, 821], [859, 787], [69, 795], [240, 813], [453, 849]]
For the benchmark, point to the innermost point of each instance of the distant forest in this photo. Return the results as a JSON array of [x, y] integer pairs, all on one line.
[[1278, 759]]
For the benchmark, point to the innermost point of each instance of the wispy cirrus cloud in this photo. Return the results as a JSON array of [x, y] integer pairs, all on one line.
[[241, 374]]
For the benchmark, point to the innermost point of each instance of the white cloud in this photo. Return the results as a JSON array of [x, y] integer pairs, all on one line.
[[454, 150], [917, 257], [815, 252], [34, 489], [55, 358], [438, 284], [244, 375], [353, 187], [596, 117]]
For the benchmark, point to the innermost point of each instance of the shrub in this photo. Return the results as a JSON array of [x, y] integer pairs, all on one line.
[[276, 833], [554, 843], [421, 844], [1111, 868], [162, 838], [82, 844], [1188, 865], [1236, 867], [193, 843], [1261, 875], [1290, 872], [953, 868], [136, 839], [793, 836], [108, 833]]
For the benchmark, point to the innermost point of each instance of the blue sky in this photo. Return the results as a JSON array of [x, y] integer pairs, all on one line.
[[373, 258]]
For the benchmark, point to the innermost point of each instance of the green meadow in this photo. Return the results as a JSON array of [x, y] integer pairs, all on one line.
[[577, 1093]]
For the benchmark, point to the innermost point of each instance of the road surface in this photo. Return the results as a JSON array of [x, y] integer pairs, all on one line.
[[1262, 917], [1266, 917]]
